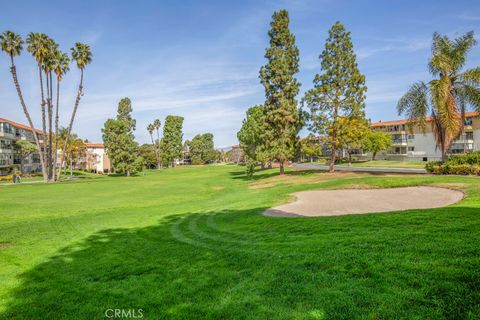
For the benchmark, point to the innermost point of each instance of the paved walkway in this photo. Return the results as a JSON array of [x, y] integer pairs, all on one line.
[[316, 166]]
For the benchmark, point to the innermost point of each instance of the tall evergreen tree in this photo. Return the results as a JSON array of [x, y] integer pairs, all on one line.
[[252, 136], [281, 87], [120, 142], [171, 144], [339, 92]]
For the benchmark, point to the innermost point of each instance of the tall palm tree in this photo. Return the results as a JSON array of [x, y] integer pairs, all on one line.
[[151, 129], [83, 56], [447, 96], [61, 68], [12, 44], [156, 124], [49, 64], [38, 46]]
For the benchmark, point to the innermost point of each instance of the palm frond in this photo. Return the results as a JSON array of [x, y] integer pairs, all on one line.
[[470, 77], [471, 95], [414, 104], [461, 46]]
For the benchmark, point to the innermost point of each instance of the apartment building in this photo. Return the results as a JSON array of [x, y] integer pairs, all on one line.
[[11, 131], [97, 159], [415, 145]]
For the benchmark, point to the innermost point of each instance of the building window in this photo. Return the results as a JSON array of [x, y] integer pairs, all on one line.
[[469, 135], [468, 121], [411, 148], [411, 136]]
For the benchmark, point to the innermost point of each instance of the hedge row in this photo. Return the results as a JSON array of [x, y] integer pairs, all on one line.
[[467, 164]]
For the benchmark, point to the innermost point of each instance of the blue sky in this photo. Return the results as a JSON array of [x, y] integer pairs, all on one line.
[[200, 59]]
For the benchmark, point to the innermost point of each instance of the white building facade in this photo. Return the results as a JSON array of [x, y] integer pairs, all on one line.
[[416, 145]]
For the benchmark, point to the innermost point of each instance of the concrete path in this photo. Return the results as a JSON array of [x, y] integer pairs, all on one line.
[[358, 201], [316, 166]]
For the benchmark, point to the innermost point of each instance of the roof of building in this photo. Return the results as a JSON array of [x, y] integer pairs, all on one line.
[[405, 121], [19, 125], [94, 145]]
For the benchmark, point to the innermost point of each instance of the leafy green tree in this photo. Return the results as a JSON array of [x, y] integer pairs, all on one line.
[[377, 141], [338, 92], [252, 135], [351, 134], [171, 143], [446, 97], [23, 149], [201, 149], [281, 87], [310, 148], [151, 129], [149, 155], [120, 142]]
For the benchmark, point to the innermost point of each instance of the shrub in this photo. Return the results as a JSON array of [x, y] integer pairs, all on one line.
[[8, 178], [464, 164], [460, 169], [431, 165], [476, 169], [468, 158]]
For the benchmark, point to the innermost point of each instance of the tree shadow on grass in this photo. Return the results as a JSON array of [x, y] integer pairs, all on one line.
[[241, 265], [268, 173]]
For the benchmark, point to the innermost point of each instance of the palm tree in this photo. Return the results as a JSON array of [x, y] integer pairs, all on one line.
[[151, 129], [38, 46], [12, 44], [83, 56], [156, 124], [49, 64], [61, 68], [447, 96]]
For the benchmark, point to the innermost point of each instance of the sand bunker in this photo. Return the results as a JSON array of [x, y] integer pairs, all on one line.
[[358, 201]]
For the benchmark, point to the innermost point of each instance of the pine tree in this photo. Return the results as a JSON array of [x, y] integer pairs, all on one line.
[[252, 134], [338, 92], [120, 142], [281, 88], [171, 142]]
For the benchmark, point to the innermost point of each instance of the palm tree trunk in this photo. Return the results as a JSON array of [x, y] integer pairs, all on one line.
[[156, 152], [42, 105], [46, 134], [13, 70], [55, 153], [72, 119], [334, 140], [50, 130], [158, 149]]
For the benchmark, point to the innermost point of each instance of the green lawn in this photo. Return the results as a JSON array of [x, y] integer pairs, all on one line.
[[190, 243], [386, 164]]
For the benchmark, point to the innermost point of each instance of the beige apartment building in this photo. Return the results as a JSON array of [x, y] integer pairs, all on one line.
[[11, 131], [97, 159], [416, 145], [94, 159]]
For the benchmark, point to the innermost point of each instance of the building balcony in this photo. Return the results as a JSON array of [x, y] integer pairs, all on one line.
[[399, 142], [7, 135]]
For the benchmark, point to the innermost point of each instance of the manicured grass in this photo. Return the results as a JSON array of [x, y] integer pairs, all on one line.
[[386, 164], [190, 243]]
